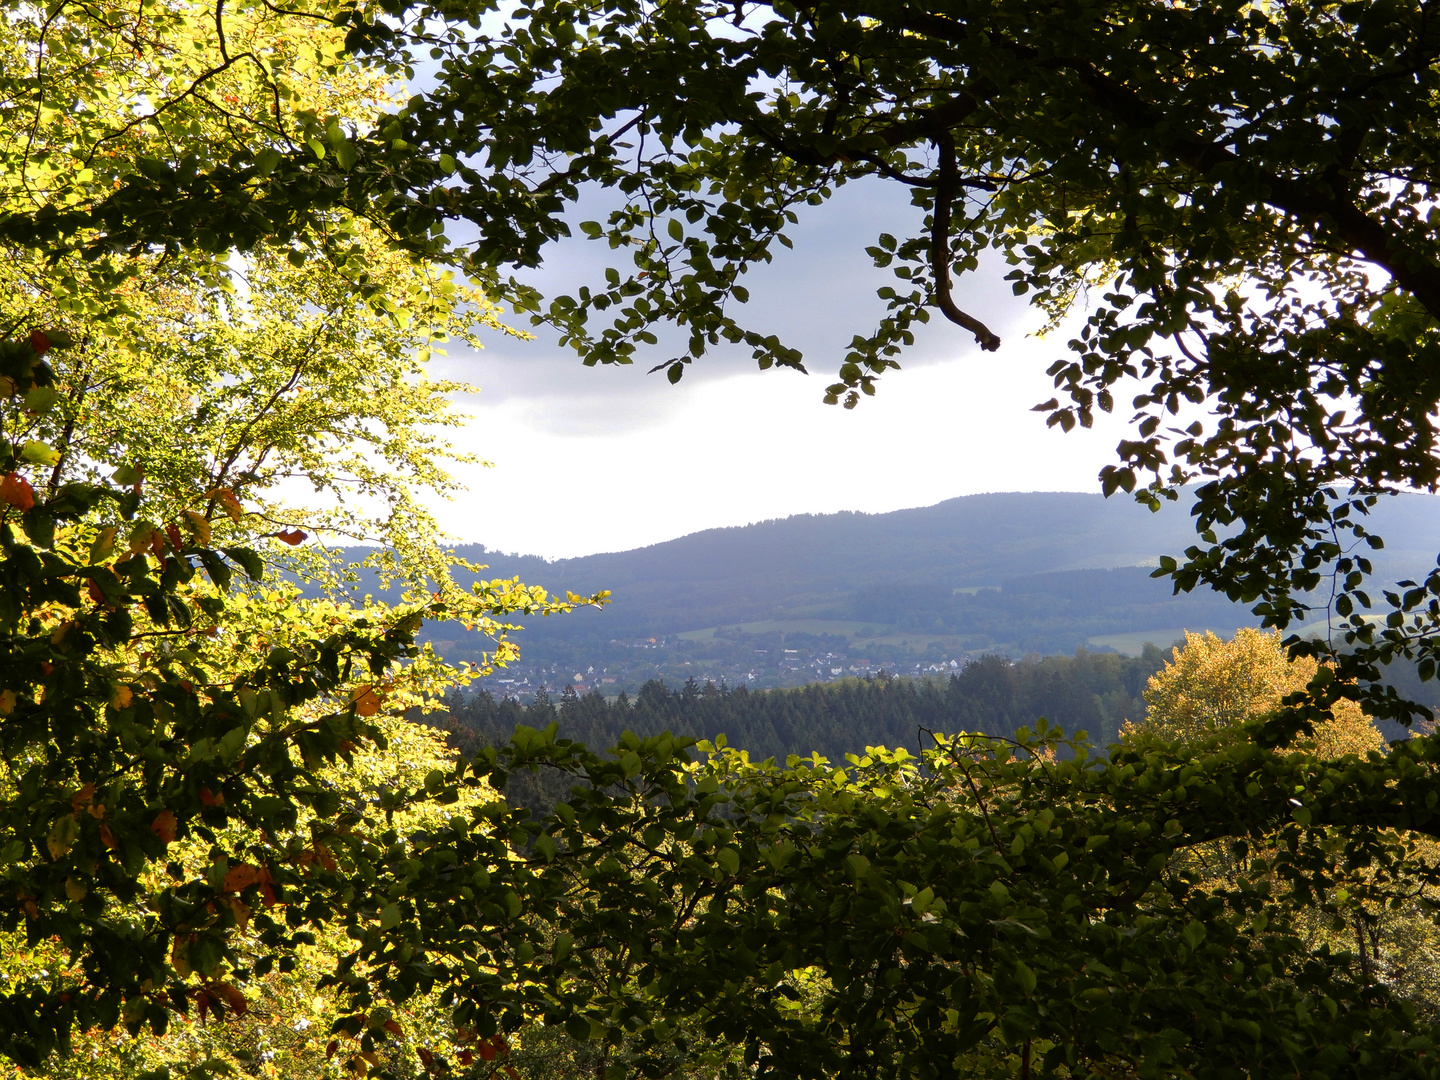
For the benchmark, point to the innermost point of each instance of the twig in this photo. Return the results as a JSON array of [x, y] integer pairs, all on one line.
[[947, 180]]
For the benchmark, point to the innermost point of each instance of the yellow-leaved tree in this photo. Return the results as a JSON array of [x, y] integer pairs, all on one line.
[[205, 761], [1212, 686]]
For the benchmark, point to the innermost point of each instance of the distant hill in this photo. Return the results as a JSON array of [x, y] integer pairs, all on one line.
[[1042, 571]]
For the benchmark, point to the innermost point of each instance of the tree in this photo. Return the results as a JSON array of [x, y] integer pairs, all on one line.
[[191, 751], [279, 1023], [1211, 684], [1241, 190], [1234, 196], [1004, 911]]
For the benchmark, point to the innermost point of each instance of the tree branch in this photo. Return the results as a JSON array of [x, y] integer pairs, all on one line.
[[1321, 204], [947, 180]]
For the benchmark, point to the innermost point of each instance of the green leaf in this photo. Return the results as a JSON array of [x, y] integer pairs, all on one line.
[[248, 560], [215, 567], [1025, 978], [41, 399], [38, 453], [39, 526], [390, 916]]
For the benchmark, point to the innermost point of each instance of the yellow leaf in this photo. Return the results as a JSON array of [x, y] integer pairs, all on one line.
[[62, 836], [199, 526]]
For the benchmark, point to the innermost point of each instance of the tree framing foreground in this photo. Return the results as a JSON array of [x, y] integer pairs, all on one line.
[[1239, 197], [1245, 187]]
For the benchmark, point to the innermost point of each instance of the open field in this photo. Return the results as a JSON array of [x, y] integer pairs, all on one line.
[[840, 627], [849, 629], [1132, 643]]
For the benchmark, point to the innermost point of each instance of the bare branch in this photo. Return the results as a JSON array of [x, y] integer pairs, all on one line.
[[947, 181]]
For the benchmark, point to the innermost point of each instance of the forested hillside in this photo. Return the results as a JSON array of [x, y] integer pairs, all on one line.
[[1094, 692], [883, 568], [817, 597]]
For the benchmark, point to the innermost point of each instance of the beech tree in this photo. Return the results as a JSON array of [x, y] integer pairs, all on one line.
[[188, 744], [1233, 199], [1245, 188]]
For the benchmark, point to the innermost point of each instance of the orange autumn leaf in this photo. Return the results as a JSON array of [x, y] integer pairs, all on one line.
[[228, 502], [210, 798], [367, 701], [234, 997], [240, 878], [40, 342], [16, 490], [239, 909], [394, 1029], [199, 526], [164, 826], [292, 536]]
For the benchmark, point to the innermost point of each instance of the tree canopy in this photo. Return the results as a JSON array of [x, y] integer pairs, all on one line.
[[205, 212], [1232, 199], [188, 744]]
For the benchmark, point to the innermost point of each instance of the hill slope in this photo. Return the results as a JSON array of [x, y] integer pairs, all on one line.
[[818, 596], [1036, 548]]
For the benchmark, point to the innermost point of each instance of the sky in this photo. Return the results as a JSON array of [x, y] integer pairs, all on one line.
[[606, 459]]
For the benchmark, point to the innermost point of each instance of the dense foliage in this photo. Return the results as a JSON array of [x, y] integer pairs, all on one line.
[[193, 756], [196, 794], [1091, 692]]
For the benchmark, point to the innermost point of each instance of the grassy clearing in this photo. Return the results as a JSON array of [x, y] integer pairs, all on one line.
[[840, 627], [1132, 644], [917, 641]]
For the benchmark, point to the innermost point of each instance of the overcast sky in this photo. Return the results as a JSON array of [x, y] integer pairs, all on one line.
[[589, 460]]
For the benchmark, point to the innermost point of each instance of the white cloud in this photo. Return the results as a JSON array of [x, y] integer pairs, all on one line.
[[580, 472], [601, 459]]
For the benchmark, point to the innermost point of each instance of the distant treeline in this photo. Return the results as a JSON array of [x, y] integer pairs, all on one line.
[[1094, 692]]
